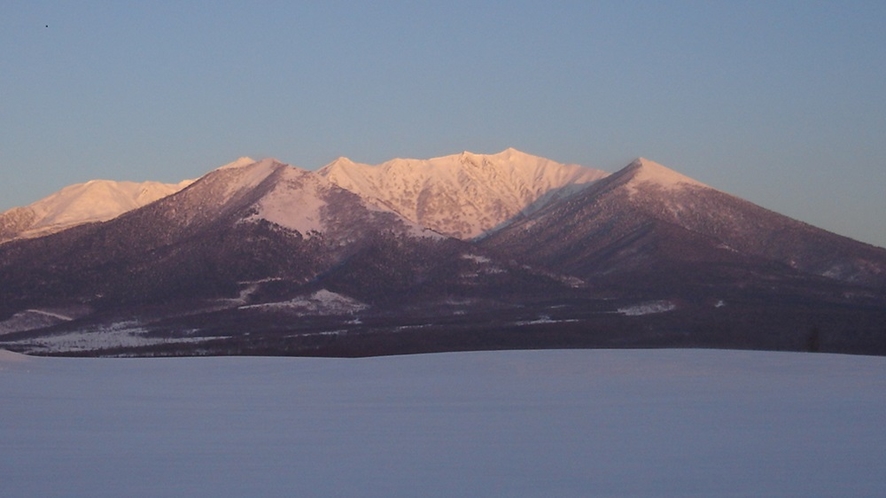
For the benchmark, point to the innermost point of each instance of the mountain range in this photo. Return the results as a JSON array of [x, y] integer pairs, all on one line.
[[463, 252]]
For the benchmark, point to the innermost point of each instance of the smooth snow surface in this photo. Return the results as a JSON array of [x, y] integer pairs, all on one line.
[[525, 423]]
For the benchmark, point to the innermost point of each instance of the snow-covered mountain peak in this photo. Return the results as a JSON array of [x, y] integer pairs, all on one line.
[[513, 155], [248, 175], [642, 171], [342, 168], [92, 201], [309, 203], [341, 161], [462, 195], [508, 156], [243, 161]]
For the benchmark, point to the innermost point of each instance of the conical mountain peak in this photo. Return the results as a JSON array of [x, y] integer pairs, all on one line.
[[342, 160], [341, 164], [643, 171], [243, 161]]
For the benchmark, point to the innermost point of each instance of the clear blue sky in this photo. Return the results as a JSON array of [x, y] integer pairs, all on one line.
[[782, 103]]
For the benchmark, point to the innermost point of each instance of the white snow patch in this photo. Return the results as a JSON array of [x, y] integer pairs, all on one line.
[[26, 320], [323, 333], [647, 308], [573, 282], [476, 258], [296, 203], [249, 288], [486, 267], [122, 334], [545, 319], [95, 200], [242, 297], [459, 302], [412, 327], [64, 318], [838, 271], [333, 332], [322, 302]]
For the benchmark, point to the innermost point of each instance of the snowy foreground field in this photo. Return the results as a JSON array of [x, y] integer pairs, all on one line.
[[520, 423]]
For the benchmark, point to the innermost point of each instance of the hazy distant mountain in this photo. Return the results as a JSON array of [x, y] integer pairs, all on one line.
[[462, 252], [96, 200]]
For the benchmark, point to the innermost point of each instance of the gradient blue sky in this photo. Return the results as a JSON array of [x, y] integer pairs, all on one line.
[[782, 103]]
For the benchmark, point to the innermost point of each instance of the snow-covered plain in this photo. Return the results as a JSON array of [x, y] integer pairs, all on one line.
[[522, 423]]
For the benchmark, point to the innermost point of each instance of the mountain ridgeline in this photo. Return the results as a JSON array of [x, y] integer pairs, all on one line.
[[463, 252]]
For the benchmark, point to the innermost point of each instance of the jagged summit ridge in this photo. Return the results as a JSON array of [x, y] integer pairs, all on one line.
[[462, 195]]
